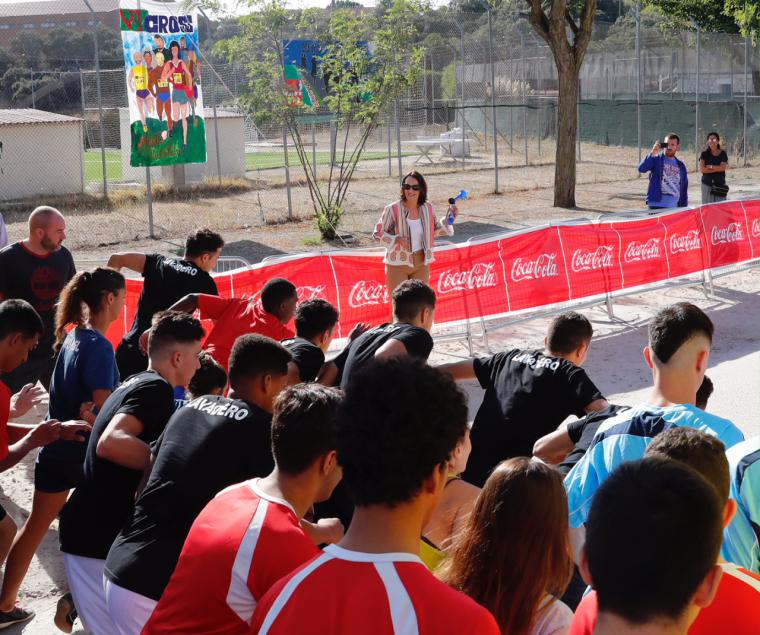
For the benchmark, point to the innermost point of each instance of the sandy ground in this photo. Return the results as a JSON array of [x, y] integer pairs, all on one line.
[[615, 363]]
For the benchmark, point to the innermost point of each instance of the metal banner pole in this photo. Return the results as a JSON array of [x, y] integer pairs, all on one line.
[[524, 97], [217, 149], [493, 108], [390, 150], [461, 110], [638, 77], [149, 200], [746, 90], [696, 100], [398, 142], [287, 171]]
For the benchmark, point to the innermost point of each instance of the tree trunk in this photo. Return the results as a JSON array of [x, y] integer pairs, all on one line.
[[567, 130]]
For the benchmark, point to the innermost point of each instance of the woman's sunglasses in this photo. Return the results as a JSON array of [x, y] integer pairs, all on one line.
[[409, 186]]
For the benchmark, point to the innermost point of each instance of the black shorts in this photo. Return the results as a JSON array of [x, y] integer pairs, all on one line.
[[53, 475], [3, 513]]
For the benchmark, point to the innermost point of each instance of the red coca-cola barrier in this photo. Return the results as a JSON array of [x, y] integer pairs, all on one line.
[[521, 271]]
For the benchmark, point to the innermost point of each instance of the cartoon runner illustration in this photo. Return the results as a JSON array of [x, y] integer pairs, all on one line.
[[194, 66], [177, 73], [138, 82], [159, 87]]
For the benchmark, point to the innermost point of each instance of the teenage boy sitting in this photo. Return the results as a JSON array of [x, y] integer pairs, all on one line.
[[396, 430], [315, 321], [211, 443], [680, 337], [234, 317], [249, 536], [652, 542], [736, 607], [528, 393], [118, 452]]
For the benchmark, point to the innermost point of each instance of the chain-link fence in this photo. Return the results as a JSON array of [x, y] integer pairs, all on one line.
[[486, 97]]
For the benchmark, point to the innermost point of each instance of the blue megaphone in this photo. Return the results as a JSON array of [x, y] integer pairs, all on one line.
[[462, 196]]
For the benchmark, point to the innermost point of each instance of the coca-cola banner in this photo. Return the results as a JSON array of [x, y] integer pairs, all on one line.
[[593, 259], [726, 232], [535, 267], [515, 272], [469, 282]]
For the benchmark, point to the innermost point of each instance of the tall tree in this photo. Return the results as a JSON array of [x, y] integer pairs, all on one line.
[[567, 30]]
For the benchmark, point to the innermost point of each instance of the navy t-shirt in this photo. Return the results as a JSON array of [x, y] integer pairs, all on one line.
[[85, 364]]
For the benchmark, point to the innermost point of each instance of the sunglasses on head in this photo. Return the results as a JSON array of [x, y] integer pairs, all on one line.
[[409, 186]]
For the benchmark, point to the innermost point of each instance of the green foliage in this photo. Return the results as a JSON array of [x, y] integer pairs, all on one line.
[[449, 81], [364, 81]]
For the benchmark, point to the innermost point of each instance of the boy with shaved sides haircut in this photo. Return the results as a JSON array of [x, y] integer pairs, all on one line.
[[394, 454], [118, 453], [210, 444], [678, 353], [315, 322], [165, 281], [36, 270], [528, 393], [736, 607], [249, 536]]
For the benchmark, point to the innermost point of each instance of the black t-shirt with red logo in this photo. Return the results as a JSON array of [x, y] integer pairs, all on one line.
[[37, 279]]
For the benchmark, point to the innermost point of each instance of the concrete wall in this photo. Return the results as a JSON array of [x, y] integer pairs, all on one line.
[[231, 143], [40, 159]]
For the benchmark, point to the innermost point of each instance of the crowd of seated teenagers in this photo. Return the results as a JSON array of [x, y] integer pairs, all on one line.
[[397, 435]]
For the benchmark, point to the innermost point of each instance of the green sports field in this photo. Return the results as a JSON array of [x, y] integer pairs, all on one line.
[[93, 170]]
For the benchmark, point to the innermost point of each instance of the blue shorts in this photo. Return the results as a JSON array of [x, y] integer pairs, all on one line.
[[53, 475], [164, 97], [179, 96]]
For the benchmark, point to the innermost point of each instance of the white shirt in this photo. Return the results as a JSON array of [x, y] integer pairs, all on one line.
[[555, 618], [415, 231]]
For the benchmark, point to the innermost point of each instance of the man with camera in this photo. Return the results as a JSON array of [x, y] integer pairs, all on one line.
[[668, 181]]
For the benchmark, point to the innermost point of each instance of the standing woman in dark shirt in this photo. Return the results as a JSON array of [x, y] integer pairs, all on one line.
[[713, 163]]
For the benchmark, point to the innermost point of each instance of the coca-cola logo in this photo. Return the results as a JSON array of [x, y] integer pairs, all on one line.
[[306, 292], [600, 258], [755, 228], [637, 251], [367, 292], [545, 266], [480, 276], [731, 233], [685, 242]]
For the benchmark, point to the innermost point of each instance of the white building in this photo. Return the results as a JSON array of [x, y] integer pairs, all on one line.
[[40, 154]]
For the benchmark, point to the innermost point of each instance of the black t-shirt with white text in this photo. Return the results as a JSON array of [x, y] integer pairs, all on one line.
[[528, 394], [37, 279], [98, 508], [166, 281], [714, 178], [415, 339], [581, 433], [307, 356], [209, 444]]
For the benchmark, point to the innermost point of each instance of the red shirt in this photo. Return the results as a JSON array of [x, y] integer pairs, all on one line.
[[345, 592], [235, 317], [5, 414], [239, 546], [735, 609]]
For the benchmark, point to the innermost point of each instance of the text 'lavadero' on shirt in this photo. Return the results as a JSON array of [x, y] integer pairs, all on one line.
[[211, 443], [528, 394], [99, 507], [625, 437], [416, 340], [242, 542]]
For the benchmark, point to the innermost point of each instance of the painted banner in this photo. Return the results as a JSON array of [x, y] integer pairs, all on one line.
[[303, 75], [537, 268], [162, 61]]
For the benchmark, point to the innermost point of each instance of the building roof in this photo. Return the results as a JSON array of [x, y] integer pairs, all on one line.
[[30, 115], [221, 113], [48, 7]]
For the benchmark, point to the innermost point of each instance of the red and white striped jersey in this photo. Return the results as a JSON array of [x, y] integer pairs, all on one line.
[[345, 592], [241, 543]]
